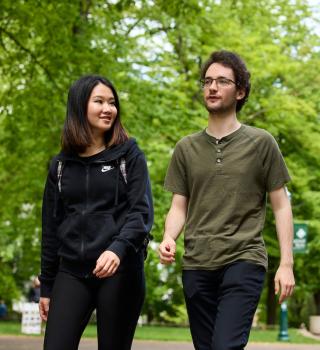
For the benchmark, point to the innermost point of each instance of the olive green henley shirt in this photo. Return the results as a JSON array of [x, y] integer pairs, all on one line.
[[226, 182]]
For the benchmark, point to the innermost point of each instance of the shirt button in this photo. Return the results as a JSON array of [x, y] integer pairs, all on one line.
[[219, 150], [218, 160], [217, 142]]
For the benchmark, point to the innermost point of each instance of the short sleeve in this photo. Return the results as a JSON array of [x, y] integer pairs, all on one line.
[[276, 172], [176, 177]]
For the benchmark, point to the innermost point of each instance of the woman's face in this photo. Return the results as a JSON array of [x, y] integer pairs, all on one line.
[[101, 110]]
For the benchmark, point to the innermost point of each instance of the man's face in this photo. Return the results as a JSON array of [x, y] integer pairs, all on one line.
[[220, 90]]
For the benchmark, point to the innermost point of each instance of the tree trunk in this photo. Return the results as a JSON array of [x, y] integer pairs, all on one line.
[[316, 297], [150, 316]]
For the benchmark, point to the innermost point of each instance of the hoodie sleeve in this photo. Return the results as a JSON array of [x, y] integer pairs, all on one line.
[[52, 215], [139, 219]]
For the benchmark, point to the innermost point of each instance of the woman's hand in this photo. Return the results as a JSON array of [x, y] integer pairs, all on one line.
[[107, 264], [44, 308]]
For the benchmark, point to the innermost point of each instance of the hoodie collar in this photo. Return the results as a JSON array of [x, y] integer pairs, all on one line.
[[128, 149]]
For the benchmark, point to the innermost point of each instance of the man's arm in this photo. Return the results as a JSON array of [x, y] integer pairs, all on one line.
[[174, 224], [284, 278]]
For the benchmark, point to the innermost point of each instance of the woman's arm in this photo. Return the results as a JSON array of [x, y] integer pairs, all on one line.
[[52, 215], [138, 221]]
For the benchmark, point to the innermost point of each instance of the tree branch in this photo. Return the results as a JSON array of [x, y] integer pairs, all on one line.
[[256, 114], [31, 54]]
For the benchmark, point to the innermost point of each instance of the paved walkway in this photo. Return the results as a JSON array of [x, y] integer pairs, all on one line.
[[35, 343]]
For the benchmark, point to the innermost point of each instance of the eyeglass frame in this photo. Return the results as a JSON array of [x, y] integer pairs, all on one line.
[[206, 86]]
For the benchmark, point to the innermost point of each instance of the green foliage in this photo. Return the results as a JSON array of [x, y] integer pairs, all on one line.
[[8, 288], [152, 51]]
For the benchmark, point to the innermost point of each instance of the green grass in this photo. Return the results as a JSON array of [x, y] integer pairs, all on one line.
[[163, 333], [271, 336], [7, 327], [174, 334]]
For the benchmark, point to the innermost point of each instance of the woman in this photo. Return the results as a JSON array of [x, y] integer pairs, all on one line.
[[97, 215]]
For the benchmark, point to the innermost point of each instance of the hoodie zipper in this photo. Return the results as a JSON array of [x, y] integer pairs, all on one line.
[[84, 212], [85, 208]]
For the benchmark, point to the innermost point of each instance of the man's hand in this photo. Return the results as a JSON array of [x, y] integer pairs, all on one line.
[[44, 308], [284, 282], [167, 250], [107, 264]]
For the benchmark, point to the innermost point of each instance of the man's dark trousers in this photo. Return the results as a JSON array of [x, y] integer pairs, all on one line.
[[221, 304]]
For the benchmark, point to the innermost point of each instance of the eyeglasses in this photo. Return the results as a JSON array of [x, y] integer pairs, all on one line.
[[220, 81]]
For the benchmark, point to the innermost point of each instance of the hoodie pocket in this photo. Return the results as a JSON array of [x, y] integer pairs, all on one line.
[[100, 230], [69, 234]]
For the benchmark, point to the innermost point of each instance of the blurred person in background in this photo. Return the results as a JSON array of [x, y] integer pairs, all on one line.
[[3, 309], [34, 292]]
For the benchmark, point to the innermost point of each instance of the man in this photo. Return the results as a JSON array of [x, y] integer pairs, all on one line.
[[219, 178]]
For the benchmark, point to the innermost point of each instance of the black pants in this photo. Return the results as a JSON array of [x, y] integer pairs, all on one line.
[[118, 301], [221, 304]]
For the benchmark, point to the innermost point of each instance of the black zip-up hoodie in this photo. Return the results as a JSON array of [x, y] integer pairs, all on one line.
[[92, 208]]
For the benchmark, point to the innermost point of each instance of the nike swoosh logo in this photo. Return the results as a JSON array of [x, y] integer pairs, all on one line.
[[106, 168]]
